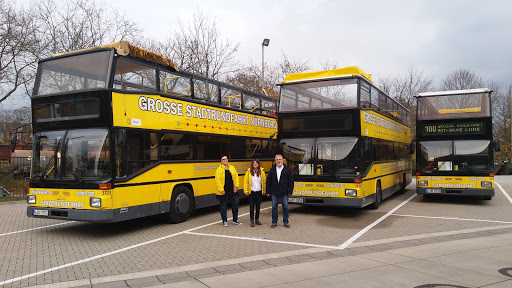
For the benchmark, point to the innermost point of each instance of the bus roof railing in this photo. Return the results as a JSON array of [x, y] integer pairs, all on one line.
[[455, 92], [327, 74], [124, 48]]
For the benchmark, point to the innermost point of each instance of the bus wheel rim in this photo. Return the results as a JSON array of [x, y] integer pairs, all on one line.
[[182, 204]]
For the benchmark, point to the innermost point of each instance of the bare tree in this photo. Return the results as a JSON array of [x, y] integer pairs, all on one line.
[[197, 47], [461, 79], [17, 38], [14, 119], [403, 88], [79, 24], [249, 77]]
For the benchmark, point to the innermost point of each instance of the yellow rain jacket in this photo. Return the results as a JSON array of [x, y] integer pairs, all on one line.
[[220, 178]]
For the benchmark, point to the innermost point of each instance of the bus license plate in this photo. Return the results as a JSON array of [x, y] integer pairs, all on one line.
[[433, 190], [40, 212], [295, 200]]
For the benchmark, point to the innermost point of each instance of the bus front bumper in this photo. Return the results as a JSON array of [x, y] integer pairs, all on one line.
[[104, 216], [333, 202], [455, 192]]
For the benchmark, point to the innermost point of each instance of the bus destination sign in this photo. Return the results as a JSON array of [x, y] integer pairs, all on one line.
[[454, 128]]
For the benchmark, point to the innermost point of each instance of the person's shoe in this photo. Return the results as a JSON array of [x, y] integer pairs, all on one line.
[[252, 223], [237, 222], [273, 225], [258, 222], [287, 225], [225, 223]]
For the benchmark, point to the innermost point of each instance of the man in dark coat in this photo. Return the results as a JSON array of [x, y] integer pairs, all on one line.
[[279, 186]]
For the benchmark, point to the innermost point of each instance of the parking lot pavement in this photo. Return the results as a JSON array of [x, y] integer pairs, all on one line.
[[436, 262], [150, 253]]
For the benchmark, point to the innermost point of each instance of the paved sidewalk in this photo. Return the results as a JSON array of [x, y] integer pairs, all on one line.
[[477, 259]]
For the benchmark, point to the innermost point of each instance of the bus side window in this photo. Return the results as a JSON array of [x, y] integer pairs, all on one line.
[[142, 150]]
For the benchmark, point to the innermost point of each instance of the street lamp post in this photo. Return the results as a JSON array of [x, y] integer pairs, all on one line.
[[265, 43]]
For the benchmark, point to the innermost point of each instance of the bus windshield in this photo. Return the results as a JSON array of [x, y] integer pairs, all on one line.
[[332, 156], [458, 155], [340, 93], [74, 73], [81, 154]]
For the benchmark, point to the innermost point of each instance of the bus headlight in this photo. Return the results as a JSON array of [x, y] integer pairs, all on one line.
[[422, 183], [486, 184], [351, 192], [95, 202], [31, 199]]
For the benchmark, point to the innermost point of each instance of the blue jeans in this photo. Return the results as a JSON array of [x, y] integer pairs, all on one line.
[[284, 202], [233, 198]]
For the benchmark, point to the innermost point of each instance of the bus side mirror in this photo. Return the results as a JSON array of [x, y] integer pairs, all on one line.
[[412, 148], [497, 147], [13, 142]]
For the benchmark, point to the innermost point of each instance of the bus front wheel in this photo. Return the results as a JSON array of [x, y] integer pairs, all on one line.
[[182, 205], [378, 197]]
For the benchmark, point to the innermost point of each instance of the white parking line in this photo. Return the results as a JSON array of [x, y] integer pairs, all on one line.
[[504, 193], [102, 255], [361, 233], [453, 218], [42, 227], [264, 240], [112, 252]]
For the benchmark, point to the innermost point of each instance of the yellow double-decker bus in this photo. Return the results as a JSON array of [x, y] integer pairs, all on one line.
[[120, 134], [346, 141], [454, 151]]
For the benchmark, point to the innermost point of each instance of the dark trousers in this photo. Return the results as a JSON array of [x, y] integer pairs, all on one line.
[[233, 198], [254, 201]]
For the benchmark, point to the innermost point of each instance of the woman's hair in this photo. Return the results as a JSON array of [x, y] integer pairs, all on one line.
[[258, 171]]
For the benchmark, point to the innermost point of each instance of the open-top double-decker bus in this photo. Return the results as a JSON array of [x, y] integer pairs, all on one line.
[[120, 134], [454, 151], [346, 141]]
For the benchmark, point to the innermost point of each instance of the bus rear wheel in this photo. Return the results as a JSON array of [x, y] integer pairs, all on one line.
[[378, 197], [182, 205]]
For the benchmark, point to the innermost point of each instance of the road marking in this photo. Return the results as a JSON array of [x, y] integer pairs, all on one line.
[[453, 218], [26, 230], [361, 233], [504, 193], [264, 240], [113, 252]]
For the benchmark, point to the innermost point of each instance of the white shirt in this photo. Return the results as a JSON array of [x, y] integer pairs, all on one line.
[[278, 170], [255, 183]]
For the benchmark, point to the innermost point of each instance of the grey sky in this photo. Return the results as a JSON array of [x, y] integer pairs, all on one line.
[[383, 38]]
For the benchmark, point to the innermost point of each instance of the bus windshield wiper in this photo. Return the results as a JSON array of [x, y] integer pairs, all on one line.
[[49, 167]]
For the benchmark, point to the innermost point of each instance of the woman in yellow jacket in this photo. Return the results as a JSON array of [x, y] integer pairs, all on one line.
[[254, 188], [226, 180]]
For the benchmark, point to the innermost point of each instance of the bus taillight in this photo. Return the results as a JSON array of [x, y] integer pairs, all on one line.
[[358, 180], [491, 174]]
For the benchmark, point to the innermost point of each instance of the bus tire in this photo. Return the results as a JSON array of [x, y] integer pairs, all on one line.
[[403, 185], [378, 197], [182, 205]]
